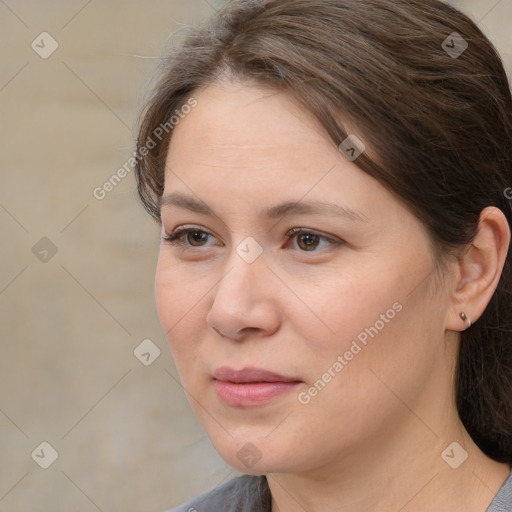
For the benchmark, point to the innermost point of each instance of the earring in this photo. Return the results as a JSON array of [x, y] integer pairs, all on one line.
[[466, 318]]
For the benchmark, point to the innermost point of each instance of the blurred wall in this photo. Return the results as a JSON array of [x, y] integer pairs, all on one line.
[[85, 424]]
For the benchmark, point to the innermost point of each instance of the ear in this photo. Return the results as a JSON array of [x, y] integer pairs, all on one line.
[[479, 269]]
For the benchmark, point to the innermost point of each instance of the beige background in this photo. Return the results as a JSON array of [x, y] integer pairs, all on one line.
[[125, 436]]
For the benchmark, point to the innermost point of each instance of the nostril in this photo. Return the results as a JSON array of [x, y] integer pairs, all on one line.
[[249, 330]]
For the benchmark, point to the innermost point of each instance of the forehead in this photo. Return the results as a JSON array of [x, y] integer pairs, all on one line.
[[232, 117], [247, 139], [244, 149]]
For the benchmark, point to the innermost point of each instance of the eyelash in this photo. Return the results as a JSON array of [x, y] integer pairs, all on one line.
[[176, 238]]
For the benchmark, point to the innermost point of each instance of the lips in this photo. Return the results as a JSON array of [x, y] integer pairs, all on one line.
[[250, 387], [248, 375]]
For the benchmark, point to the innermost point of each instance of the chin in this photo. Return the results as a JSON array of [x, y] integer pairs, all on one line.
[[257, 469], [254, 456]]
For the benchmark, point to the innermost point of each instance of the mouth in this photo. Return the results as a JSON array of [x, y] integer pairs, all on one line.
[[250, 387]]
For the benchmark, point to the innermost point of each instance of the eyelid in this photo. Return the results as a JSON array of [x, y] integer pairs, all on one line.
[[180, 231], [320, 234]]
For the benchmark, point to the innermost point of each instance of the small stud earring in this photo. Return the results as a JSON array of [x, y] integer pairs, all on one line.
[[466, 318]]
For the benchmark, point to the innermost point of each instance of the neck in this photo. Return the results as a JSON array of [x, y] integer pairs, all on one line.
[[403, 471]]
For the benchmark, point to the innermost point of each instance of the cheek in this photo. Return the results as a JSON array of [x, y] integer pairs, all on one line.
[[376, 352], [338, 308], [180, 300], [361, 324]]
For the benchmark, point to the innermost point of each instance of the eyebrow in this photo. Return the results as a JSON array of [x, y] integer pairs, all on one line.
[[273, 212]]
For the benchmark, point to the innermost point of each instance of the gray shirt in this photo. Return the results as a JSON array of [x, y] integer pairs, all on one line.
[[251, 494]]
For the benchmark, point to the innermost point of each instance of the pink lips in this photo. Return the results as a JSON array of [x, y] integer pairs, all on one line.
[[250, 387]]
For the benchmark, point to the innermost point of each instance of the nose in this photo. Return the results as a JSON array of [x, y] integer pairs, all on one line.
[[245, 301]]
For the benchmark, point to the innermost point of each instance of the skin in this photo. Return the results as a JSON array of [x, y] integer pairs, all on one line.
[[372, 438]]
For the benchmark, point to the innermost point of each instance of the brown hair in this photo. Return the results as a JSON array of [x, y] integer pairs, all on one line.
[[439, 122]]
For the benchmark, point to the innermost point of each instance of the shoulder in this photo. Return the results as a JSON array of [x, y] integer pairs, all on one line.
[[502, 502], [243, 494]]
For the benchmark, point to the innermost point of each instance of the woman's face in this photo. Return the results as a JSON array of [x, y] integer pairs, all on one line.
[[343, 315]]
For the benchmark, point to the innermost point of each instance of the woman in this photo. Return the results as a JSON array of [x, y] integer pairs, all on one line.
[[334, 279]]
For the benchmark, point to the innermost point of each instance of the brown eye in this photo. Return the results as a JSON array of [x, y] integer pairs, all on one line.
[[195, 238], [308, 241], [188, 238]]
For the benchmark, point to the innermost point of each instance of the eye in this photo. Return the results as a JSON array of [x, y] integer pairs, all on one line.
[[308, 240], [187, 238]]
